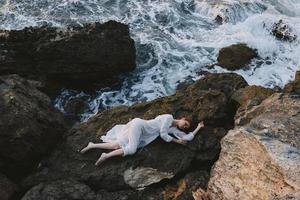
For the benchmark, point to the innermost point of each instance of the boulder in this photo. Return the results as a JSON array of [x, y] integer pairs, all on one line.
[[293, 86], [283, 31], [29, 125], [72, 56], [160, 160], [236, 56], [7, 188], [261, 160]]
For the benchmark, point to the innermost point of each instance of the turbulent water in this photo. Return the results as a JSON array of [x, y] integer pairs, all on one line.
[[175, 40]]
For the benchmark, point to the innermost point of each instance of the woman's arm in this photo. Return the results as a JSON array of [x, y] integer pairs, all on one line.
[[167, 121], [200, 125]]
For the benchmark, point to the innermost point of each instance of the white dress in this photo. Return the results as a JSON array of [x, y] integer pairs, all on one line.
[[139, 132]]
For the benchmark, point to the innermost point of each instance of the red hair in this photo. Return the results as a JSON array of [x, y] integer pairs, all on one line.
[[189, 120]]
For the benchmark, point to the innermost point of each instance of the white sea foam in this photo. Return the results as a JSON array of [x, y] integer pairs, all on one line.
[[174, 39]]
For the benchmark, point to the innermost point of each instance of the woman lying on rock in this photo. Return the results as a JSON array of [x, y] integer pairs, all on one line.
[[125, 139]]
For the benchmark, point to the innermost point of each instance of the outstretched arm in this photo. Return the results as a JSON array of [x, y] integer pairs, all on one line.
[[200, 125]]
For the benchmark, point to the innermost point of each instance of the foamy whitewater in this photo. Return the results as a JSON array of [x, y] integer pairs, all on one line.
[[175, 40]]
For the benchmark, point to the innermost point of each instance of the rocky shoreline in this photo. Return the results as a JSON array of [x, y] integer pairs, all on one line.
[[249, 148]]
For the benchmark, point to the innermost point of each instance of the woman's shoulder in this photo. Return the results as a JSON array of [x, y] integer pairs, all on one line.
[[166, 115]]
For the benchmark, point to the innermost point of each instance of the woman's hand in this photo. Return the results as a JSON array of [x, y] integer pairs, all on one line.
[[200, 125], [183, 142]]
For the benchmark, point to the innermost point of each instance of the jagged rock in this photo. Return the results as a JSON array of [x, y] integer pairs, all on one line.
[[293, 86], [247, 98], [164, 158], [182, 189], [141, 177], [261, 160], [7, 188], [282, 31], [236, 56], [72, 56], [29, 125]]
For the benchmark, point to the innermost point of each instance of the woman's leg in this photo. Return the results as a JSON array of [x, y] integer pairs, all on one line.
[[107, 145], [135, 131], [104, 156]]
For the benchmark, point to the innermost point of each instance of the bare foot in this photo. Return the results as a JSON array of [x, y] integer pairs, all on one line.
[[101, 159], [88, 147]]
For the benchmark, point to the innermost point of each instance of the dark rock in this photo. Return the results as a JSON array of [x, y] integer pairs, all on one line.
[[219, 19], [60, 190], [282, 31], [7, 188], [159, 157], [294, 86], [227, 83], [72, 56], [118, 195], [235, 56], [29, 125]]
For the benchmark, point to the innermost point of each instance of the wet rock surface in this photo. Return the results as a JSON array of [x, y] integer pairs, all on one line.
[[72, 56]]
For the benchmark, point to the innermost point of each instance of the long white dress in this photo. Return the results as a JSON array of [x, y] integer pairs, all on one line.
[[139, 132]]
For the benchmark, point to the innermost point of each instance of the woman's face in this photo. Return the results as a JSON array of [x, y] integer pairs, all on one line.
[[183, 124]]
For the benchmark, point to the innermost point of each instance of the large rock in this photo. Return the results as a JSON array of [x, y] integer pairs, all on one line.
[[261, 160], [73, 56], [160, 160], [29, 125], [236, 56]]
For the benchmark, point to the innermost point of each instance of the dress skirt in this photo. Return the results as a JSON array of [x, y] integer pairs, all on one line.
[[126, 135]]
